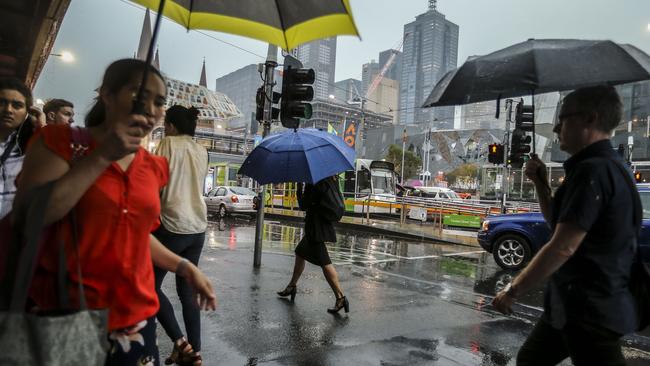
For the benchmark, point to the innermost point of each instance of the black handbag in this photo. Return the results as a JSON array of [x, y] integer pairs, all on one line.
[[331, 206]]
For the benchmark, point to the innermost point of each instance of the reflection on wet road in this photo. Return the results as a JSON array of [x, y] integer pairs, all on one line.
[[411, 303]]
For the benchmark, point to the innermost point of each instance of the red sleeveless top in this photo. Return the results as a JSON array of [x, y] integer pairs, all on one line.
[[114, 219]]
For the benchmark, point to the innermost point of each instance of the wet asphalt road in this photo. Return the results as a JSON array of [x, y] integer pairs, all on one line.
[[411, 304]]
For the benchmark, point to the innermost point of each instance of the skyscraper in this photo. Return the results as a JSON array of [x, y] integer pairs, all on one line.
[[368, 73], [319, 55], [430, 50], [395, 70]]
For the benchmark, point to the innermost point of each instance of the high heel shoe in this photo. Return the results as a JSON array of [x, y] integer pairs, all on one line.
[[289, 290], [341, 303]]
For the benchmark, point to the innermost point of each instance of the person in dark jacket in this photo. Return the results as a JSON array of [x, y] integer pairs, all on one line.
[[311, 248]]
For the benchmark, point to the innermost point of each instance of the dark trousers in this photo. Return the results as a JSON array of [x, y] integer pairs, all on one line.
[[585, 344], [187, 246]]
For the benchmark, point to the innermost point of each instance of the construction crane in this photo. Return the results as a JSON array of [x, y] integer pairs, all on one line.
[[387, 65]]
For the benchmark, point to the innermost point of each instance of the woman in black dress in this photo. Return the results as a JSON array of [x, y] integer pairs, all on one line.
[[311, 248]]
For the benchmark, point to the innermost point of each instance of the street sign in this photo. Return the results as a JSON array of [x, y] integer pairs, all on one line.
[[499, 179], [418, 213]]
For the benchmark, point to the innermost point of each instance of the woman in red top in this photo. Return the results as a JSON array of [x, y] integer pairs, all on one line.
[[114, 191]]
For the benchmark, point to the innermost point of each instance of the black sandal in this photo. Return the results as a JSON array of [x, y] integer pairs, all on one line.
[[182, 354]]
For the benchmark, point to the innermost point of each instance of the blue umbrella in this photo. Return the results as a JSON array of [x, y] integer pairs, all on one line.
[[304, 155]]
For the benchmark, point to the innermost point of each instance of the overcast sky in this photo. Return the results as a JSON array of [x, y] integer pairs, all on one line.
[[100, 31]]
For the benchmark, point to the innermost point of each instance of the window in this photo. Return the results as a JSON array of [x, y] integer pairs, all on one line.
[[242, 191], [221, 192]]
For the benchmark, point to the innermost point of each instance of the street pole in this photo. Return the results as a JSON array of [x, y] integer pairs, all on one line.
[[506, 151], [403, 149], [271, 64], [362, 130]]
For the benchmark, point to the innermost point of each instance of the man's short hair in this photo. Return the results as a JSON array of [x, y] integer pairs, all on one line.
[[602, 100], [10, 83], [53, 105]]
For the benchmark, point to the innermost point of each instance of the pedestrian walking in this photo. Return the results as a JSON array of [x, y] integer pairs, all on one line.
[[113, 192], [315, 201], [59, 112], [588, 306], [16, 128], [183, 222]]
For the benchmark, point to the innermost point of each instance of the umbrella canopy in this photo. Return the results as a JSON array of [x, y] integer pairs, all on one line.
[[285, 23], [302, 155], [540, 66]]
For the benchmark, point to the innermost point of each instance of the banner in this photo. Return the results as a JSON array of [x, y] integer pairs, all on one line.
[[350, 133]]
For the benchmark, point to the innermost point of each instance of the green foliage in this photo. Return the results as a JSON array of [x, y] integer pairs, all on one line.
[[465, 170], [412, 163]]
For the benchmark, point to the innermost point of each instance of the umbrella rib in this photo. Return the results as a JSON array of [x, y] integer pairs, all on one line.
[[284, 33], [189, 17]]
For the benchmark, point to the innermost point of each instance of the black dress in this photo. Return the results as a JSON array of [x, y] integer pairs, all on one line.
[[318, 230]]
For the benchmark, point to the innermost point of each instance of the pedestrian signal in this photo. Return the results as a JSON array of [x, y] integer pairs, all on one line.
[[638, 177], [495, 153]]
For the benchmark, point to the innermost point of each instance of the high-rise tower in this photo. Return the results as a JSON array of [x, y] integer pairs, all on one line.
[[430, 50]]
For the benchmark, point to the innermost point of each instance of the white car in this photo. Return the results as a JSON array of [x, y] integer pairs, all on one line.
[[225, 200]]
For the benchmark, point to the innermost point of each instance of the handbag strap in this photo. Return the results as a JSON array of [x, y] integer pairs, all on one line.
[[79, 144], [33, 228]]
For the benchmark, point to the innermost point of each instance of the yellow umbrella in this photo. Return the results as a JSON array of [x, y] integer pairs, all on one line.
[[285, 23]]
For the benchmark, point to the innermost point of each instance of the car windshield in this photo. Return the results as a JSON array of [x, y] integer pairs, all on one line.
[[383, 181], [242, 191]]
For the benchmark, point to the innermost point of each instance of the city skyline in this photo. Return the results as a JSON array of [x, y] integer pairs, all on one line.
[[89, 32]]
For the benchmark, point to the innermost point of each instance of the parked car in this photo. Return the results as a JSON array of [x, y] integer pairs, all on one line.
[[514, 239], [436, 193], [225, 200]]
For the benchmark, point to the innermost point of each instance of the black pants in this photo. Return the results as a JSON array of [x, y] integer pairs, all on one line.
[[585, 344], [187, 246]]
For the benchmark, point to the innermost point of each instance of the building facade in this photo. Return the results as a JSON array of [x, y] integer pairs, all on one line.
[[384, 99], [319, 55], [395, 70], [430, 51], [368, 73]]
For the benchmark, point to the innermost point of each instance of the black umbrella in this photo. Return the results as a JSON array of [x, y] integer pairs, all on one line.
[[540, 66]]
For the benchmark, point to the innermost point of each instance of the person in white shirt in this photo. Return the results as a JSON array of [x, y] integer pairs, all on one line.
[[16, 128], [183, 224]]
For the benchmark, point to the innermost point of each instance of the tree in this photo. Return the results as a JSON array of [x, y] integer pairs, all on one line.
[[412, 163], [465, 170]]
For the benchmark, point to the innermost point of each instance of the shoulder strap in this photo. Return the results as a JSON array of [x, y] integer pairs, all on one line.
[[9, 148]]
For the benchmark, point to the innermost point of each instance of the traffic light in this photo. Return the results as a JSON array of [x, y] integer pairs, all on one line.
[[521, 140], [260, 100], [296, 91], [638, 177], [495, 153]]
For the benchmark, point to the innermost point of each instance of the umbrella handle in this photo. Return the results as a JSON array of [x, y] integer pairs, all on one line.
[[138, 103]]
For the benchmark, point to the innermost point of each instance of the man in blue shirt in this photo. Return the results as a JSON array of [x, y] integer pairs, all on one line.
[[587, 262]]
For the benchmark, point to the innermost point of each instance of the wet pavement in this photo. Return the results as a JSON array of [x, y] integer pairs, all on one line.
[[410, 304]]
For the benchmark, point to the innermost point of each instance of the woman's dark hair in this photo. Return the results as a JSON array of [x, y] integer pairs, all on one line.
[[26, 129], [118, 74], [183, 119]]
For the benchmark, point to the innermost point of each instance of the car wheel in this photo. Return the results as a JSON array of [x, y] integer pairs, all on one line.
[[222, 211], [511, 251]]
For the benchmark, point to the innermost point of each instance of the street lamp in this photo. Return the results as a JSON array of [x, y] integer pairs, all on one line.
[[648, 27], [66, 56]]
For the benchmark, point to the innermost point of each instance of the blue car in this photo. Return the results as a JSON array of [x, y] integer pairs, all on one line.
[[514, 239]]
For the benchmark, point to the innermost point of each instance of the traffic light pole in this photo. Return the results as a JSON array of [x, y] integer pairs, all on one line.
[[270, 65], [506, 152]]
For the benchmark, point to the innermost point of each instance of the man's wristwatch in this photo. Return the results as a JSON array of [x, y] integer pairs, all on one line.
[[510, 290]]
